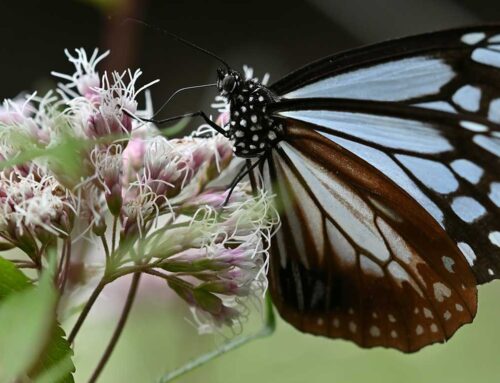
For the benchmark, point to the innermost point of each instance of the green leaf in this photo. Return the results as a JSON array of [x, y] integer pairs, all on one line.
[[11, 279], [26, 319], [30, 339], [54, 363], [56, 366]]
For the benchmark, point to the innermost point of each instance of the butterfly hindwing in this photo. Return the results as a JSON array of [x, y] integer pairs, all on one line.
[[448, 164], [356, 257]]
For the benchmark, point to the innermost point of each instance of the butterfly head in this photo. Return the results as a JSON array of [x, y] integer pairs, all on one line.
[[228, 81]]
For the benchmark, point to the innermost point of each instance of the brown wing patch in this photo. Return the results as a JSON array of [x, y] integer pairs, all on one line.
[[357, 258]]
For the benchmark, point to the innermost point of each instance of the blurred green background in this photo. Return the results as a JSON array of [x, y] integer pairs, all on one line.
[[274, 37], [158, 338]]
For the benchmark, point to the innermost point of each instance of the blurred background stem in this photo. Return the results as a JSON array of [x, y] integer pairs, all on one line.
[[119, 327]]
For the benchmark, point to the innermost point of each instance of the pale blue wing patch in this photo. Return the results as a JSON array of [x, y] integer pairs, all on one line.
[[397, 80], [390, 132]]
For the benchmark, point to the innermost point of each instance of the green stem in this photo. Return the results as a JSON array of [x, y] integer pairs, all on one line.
[[86, 310], [131, 269], [113, 235], [119, 328], [66, 265], [266, 330], [106, 247]]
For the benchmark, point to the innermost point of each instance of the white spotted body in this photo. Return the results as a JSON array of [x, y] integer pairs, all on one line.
[[253, 131]]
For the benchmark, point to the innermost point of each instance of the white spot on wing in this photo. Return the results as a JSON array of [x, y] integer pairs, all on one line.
[[473, 38], [487, 57], [352, 327], [468, 97], [443, 106], [428, 313], [370, 268], [419, 330], [400, 275], [448, 263], [467, 208], [491, 144], [441, 291], [341, 246], [473, 126], [494, 111], [374, 331], [494, 39], [494, 238], [434, 327], [495, 193], [447, 315], [467, 170], [432, 174], [394, 334], [470, 255]]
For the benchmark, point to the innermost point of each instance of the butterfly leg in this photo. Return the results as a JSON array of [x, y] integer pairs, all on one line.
[[246, 169], [200, 113], [267, 329]]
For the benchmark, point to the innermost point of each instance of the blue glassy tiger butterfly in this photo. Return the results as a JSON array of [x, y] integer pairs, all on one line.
[[385, 163]]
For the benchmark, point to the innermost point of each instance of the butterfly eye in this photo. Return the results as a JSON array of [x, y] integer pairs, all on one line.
[[228, 84]]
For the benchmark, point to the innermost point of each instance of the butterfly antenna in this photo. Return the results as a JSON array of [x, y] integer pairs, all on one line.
[[179, 91], [179, 39]]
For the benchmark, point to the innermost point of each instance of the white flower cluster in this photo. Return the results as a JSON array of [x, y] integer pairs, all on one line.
[[77, 166]]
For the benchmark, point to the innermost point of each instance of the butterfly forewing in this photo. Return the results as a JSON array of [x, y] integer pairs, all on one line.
[[356, 257], [455, 71]]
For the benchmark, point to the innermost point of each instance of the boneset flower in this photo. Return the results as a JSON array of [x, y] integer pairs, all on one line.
[[34, 209], [85, 79], [158, 204]]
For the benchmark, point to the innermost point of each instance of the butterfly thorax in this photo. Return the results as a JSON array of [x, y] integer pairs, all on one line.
[[253, 130]]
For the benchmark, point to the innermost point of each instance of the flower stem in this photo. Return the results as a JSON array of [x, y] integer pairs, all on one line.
[[113, 235], [65, 266], [86, 310], [106, 247], [266, 330], [119, 327]]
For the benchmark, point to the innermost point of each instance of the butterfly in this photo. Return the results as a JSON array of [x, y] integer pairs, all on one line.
[[385, 163]]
